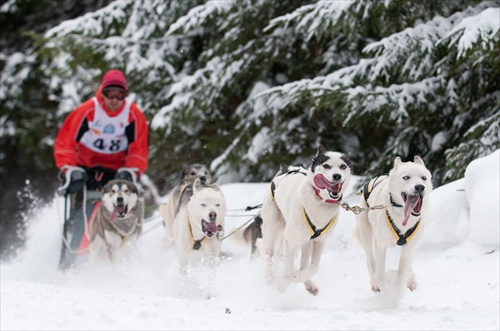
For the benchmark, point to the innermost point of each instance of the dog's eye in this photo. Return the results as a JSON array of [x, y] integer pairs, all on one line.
[[126, 191], [203, 205], [113, 191], [406, 177], [343, 167], [424, 178], [327, 166], [193, 174], [217, 205]]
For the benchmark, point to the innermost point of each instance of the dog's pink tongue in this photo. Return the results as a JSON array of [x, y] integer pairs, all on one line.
[[116, 211], [321, 182], [411, 201], [211, 226]]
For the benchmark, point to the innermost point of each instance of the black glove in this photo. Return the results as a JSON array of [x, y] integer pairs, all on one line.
[[72, 180], [77, 181], [125, 175], [129, 174]]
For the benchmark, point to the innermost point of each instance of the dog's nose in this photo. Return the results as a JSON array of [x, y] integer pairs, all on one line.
[[119, 199], [419, 188], [337, 177], [212, 215], [203, 180]]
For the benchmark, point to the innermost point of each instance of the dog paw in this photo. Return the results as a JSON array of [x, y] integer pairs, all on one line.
[[412, 285], [282, 284], [311, 287], [304, 275], [412, 281], [375, 288]]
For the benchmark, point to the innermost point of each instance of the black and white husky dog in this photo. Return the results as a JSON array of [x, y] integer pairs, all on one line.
[[300, 213]]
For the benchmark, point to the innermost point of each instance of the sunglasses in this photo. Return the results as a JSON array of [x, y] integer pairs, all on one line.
[[114, 95]]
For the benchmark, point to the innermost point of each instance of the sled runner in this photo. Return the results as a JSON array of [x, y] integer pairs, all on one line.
[[81, 189]]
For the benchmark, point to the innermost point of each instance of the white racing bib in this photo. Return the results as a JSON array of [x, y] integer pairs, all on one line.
[[107, 134]]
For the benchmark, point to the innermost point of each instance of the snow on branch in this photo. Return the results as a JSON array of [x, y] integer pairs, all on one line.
[[399, 97], [199, 15], [480, 29], [92, 24], [312, 19], [197, 89]]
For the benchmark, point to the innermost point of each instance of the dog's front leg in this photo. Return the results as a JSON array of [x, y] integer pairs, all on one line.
[[183, 263], [305, 258], [213, 259], [288, 257], [110, 253], [315, 250], [365, 236], [269, 268], [379, 253], [405, 274], [94, 249]]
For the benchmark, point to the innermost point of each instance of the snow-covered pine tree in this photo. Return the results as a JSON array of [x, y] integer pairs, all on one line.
[[416, 88], [244, 85]]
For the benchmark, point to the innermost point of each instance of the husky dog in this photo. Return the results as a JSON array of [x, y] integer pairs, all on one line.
[[198, 226], [118, 220], [300, 213], [179, 194], [404, 192]]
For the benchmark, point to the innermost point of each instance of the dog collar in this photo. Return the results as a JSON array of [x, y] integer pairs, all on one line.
[[317, 190], [401, 239], [393, 203], [312, 228], [196, 243]]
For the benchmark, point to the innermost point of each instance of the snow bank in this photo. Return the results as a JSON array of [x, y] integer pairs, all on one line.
[[482, 185]]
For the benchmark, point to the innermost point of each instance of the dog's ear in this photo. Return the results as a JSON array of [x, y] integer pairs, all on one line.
[[197, 184], [347, 161], [283, 168], [132, 187], [108, 186], [418, 160], [183, 173], [321, 150], [397, 161]]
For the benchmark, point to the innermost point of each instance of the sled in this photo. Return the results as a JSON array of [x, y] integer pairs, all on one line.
[[80, 206], [77, 219]]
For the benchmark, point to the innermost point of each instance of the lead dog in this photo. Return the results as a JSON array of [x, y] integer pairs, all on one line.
[[404, 192], [198, 226], [300, 213], [179, 194], [118, 220]]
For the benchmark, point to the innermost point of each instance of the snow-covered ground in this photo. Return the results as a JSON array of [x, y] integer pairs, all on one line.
[[457, 269]]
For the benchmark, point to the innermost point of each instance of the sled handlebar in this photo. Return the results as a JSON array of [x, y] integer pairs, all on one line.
[[67, 174], [128, 173]]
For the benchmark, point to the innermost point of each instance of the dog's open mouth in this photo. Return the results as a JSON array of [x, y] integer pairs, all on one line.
[[413, 205], [210, 228], [334, 189], [119, 211]]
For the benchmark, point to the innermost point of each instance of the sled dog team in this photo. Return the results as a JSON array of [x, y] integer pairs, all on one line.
[[299, 213]]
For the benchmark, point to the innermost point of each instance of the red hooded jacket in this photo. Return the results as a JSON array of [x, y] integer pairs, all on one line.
[[69, 150]]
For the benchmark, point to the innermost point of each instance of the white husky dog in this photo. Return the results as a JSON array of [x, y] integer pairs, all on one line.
[[198, 226], [300, 213], [404, 193]]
